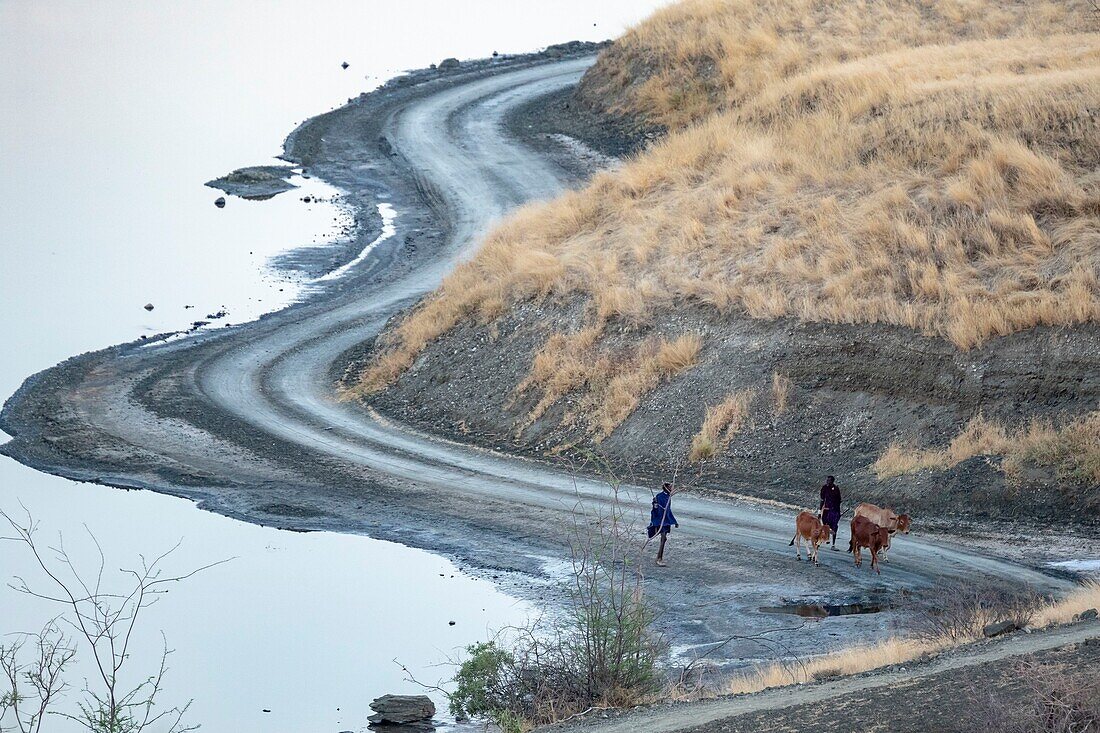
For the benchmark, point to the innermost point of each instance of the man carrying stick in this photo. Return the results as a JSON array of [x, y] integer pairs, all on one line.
[[662, 520]]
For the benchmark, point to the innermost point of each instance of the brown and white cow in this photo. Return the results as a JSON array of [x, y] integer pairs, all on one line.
[[808, 527], [887, 518], [866, 533]]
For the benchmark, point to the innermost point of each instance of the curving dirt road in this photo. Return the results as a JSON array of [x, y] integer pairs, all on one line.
[[244, 419]]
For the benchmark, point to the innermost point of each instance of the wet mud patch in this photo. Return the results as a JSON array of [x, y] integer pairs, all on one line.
[[291, 510], [822, 609]]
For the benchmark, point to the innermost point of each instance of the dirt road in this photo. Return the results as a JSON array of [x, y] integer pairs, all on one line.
[[244, 420]]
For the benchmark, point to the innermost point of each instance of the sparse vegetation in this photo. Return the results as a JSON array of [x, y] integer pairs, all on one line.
[[1073, 449], [930, 166], [1061, 700], [721, 423], [781, 392], [958, 612], [897, 650], [103, 614], [612, 381], [603, 652]]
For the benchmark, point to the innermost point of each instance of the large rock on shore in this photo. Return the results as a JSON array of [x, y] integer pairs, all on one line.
[[402, 709], [256, 183]]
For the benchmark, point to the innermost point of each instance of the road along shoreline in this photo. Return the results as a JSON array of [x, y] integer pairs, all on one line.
[[244, 419]]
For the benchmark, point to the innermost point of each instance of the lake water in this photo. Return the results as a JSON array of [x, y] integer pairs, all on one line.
[[113, 116]]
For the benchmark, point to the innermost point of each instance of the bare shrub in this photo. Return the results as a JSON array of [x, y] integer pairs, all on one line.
[[601, 653], [720, 424], [1060, 699], [103, 621], [958, 612], [33, 686]]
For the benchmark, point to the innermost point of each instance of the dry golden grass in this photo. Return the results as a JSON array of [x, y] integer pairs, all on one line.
[[898, 650], [720, 424], [781, 392], [847, 662], [926, 165], [1082, 599], [613, 380], [695, 57], [1073, 449]]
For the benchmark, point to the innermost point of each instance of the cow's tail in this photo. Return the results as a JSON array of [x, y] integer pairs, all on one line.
[[851, 542], [791, 543]]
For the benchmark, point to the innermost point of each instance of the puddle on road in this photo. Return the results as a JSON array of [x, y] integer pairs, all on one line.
[[824, 610]]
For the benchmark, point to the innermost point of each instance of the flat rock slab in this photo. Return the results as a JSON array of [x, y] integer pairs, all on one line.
[[402, 709], [1002, 627], [257, 182]]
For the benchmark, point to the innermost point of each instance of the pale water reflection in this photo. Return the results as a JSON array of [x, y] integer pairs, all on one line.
[[306, 626]]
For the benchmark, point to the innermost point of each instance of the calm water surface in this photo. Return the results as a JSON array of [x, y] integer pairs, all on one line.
[[112, 115]]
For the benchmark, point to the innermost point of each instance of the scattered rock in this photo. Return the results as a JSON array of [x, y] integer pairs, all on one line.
[[256, 183], [449, 63], [450, 623], [1088, 615], [402, 709], [148, 306], [345, 65], [999, 628], [220, 202]]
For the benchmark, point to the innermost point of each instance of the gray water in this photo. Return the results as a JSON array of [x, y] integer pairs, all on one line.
[[112, 115]]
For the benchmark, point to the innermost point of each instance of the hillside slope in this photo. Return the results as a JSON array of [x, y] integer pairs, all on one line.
[[869, 246]]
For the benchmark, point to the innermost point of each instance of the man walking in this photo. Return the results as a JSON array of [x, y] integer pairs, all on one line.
[[830, 505], [661, 520]]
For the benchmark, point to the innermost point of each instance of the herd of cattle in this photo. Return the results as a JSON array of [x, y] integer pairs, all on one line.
[[871, 527]]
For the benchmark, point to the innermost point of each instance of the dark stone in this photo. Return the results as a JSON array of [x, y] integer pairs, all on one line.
[[402, 709], [1088, 615], [220, 202], [148, 306], [449, 63], [999, 628], [344, 65]]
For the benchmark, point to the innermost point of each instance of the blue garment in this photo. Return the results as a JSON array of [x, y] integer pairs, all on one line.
[[661, 518]]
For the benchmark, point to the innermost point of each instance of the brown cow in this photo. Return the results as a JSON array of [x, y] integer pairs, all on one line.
[[808, 527], [866, 533], [887, 518]]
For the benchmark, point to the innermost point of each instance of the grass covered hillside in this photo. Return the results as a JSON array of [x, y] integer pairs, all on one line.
[[915, 167]]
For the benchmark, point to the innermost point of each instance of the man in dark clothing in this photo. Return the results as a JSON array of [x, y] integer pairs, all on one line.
[[830, 505], [661, 520]]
